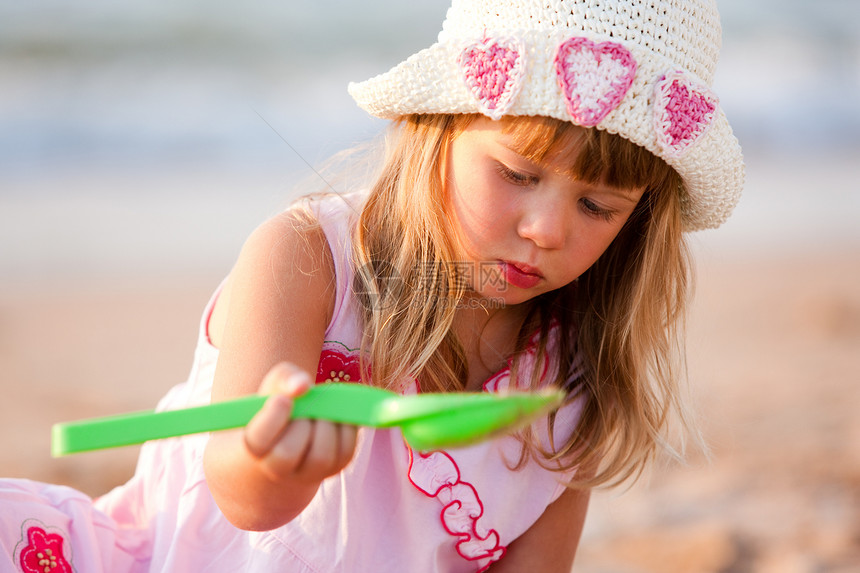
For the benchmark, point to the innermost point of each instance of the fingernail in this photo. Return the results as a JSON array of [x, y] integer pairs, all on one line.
[[296, 383]]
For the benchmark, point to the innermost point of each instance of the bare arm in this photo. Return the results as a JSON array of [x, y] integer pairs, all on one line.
[[269, 325], [550, 544]]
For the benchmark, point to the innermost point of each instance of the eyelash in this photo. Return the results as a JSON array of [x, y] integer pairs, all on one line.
[[595, 211], [515, 177], [525, 180]]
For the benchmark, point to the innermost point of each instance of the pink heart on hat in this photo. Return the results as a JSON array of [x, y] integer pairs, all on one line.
[[593, 77], [683, 111], [493, 71]]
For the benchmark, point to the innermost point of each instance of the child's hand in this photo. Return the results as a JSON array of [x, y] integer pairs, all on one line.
[[303, 450]]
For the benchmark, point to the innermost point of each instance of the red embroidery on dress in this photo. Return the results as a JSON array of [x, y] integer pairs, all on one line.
[[43, 553], [501, 380], [338, 363], [461, 506], [437, 475]]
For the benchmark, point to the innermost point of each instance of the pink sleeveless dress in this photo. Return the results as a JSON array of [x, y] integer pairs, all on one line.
[[391, 509]]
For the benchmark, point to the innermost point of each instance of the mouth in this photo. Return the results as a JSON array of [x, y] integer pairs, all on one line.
[[521, 275]]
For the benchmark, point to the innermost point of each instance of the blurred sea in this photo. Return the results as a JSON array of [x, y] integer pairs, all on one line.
[[153, 135]]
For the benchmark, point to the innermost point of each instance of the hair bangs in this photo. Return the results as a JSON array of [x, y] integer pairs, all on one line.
[[596, 156]]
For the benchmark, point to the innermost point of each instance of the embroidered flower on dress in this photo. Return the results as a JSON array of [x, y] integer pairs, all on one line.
[[43, 553], [338, 363]]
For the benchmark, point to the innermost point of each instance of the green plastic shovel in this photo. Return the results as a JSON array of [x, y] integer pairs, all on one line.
[[427, 421]]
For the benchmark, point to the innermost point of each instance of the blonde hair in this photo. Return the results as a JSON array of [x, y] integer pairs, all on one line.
[[620, 324]]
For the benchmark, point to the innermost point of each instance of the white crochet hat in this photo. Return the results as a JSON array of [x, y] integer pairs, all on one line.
[[639, 68]]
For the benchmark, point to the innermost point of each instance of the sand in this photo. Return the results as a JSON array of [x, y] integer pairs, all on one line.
[[773, 360], [77, 350]]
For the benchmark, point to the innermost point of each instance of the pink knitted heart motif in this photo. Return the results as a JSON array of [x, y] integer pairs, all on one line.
[[593, 77], [683, 111], [493, 70]]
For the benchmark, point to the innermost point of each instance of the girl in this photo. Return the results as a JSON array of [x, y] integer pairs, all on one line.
[[525, 229]]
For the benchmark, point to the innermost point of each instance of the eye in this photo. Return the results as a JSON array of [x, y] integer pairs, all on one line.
[[516, 177], [596, 211]]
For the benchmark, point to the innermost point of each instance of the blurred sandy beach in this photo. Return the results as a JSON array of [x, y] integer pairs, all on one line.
[[774, 340], [128, 182]]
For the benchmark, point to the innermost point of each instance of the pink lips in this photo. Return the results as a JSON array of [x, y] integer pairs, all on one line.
[[521, 275]]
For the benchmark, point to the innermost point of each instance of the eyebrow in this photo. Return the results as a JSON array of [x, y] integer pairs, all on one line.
[[620, 192]]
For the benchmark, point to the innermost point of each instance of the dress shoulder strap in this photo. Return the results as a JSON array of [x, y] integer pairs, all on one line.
[[337, 216]]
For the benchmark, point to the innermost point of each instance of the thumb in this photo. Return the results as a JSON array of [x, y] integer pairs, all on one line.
[[286, 379], [282, 384]]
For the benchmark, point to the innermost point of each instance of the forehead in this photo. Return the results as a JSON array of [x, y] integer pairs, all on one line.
[[532, 137]]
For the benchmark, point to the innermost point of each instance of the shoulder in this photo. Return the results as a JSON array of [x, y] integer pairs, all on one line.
[[283, 233], [284, 262], [290, 249]]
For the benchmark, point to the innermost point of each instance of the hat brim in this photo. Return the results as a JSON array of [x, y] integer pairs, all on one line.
[[432, 81]]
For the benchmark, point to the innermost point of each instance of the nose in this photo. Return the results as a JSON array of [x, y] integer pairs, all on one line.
[[545, 223]]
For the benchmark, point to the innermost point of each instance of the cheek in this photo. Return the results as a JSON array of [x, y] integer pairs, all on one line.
[[602, 243], [461, 219], [472, 206], [593, 245], [469, 224]]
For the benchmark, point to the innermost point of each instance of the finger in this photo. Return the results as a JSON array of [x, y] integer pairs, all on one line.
[[284, 381], [268, 424], [348, 437], [291, 449], [322, 453]]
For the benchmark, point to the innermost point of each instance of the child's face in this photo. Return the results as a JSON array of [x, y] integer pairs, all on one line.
[[525, 228]]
